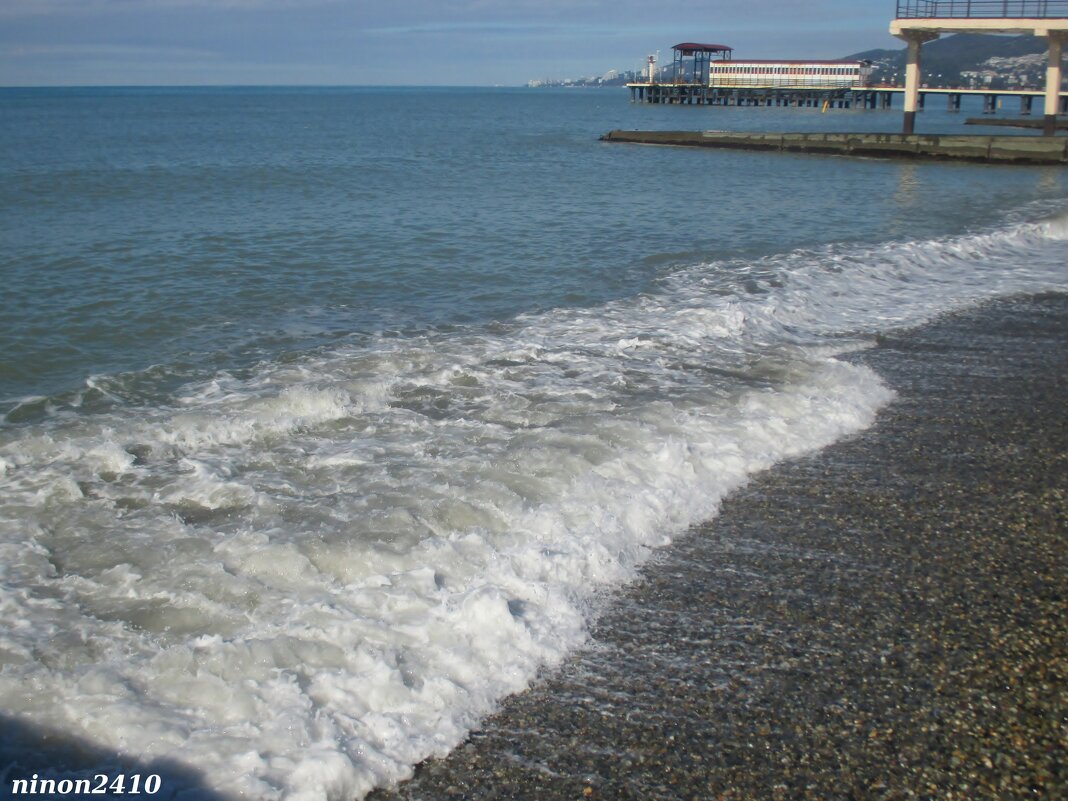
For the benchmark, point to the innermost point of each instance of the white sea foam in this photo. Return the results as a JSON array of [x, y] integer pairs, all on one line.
[[305, 581]]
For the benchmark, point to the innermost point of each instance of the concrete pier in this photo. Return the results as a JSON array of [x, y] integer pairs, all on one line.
[[988, 149], [917, 23], [913, 100], [1062, 124], [1053, 79]]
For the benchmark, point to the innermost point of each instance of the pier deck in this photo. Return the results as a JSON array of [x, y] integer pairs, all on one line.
[[858, 97], [980, 148]]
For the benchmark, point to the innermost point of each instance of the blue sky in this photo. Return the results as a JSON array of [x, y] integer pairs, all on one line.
[[413, 42]]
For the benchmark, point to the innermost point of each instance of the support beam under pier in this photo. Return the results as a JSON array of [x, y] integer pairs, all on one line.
[[914, 40], [1053, 81], [915, 29]]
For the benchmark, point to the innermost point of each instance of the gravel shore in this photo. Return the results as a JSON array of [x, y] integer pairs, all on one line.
[[885, 619]]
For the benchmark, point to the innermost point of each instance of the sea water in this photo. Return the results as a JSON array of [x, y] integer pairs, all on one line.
[[328, 416]]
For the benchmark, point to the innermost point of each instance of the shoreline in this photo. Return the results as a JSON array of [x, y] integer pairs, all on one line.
[[882, 619]]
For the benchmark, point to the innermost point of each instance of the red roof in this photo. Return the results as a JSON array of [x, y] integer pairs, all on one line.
[[689, 48]]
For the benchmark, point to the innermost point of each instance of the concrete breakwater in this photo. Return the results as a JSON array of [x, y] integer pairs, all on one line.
[[999, 149], [1038, 124]]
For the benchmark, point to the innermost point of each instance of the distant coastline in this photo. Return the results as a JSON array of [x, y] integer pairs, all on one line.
[[961, 60]]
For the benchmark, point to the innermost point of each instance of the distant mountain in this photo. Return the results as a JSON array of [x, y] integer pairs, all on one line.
[[968, 59]]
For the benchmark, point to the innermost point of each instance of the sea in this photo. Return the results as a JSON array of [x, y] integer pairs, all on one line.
[[329, 417]]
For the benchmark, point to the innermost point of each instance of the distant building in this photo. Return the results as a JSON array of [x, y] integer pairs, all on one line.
[[788, 74]]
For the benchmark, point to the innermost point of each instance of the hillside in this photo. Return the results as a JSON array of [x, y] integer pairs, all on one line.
[[967, 59]]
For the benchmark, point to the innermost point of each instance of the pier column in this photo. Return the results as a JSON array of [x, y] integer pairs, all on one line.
[[1053, 82], [915, 40]]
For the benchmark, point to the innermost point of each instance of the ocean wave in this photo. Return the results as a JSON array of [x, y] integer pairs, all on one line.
[[306, 579]]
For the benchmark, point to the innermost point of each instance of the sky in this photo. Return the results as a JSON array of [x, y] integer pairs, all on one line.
[[404, 42]]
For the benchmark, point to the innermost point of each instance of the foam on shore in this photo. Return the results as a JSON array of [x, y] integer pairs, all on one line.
[[306, 579]]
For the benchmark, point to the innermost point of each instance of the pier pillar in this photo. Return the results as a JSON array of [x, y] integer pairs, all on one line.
[[1025, 105], [1053, 81], [914, 39], [954, 102]]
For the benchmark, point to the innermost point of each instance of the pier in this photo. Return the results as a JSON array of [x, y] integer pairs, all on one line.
[[715, 79], [693, 94], [708, 75], [1062, 125], [920, 21], [988, 149], [857, 97]]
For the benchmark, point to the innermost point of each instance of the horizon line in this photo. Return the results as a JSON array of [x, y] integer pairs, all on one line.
[[524, 85]]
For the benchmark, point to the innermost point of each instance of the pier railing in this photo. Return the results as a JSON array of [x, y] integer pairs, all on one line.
[[981, 9]]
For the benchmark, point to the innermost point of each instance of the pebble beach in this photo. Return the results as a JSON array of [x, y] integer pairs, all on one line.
[[883, 619]]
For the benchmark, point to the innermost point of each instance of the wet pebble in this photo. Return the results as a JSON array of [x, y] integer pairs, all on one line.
[[882, 620]]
